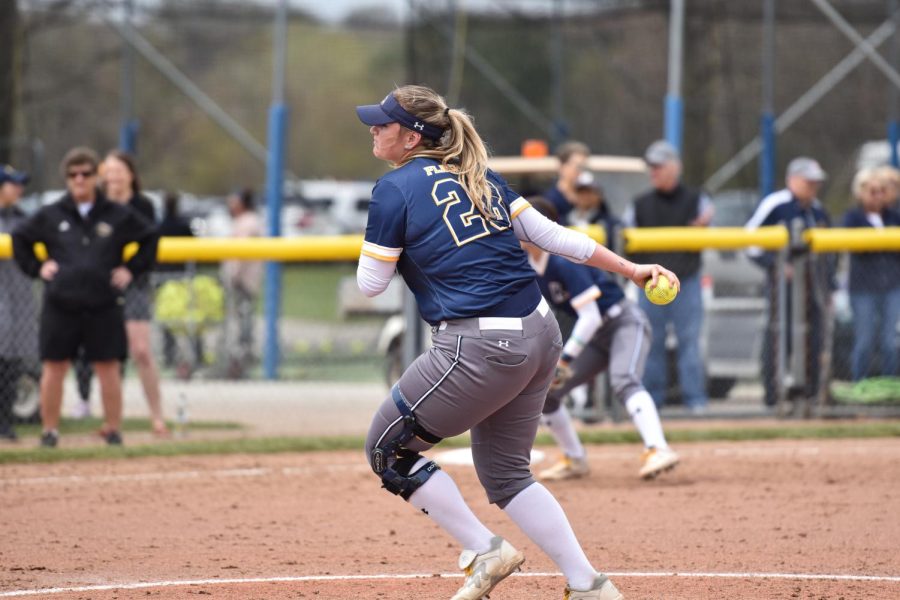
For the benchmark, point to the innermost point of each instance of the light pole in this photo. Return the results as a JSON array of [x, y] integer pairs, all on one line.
[[767, 118], [278, 124], [674, 122]]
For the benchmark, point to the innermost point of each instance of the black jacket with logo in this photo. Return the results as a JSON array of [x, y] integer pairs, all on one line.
[[86, 249]]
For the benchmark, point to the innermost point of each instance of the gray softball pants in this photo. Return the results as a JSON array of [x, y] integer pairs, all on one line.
[[489, 375], [621, 345]]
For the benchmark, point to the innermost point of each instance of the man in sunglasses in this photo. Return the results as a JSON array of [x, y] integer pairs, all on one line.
[[84, 276]]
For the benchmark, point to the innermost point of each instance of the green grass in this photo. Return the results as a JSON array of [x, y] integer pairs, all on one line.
[[310, 291], [271, 445], [93, 424]]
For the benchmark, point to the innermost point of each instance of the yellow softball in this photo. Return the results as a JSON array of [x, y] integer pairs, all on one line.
[[663, 293]]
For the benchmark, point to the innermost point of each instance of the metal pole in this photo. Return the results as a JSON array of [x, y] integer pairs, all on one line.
[[129, 127], [190, 89], [767, 120], [799, 108], [278, 123], [674, 120], [844, 27], [559, 121], [781, 335], [893, 94]]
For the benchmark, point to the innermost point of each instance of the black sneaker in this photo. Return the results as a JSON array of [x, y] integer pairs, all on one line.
[[49, 439], [113, 438]]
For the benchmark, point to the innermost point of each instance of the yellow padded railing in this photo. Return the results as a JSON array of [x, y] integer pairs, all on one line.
[[344, 248], [694, 239], [857, 239]]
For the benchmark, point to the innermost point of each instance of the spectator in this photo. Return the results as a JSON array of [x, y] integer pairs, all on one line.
[[174, 225], [18, 310], [672, 204], [122, 185], [590, 208], [891, 178], [242, 281], [85, 235], [573, 157], [797, 208], [874, 279]]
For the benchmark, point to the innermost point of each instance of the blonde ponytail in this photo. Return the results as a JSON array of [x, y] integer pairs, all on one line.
[[459, 150]]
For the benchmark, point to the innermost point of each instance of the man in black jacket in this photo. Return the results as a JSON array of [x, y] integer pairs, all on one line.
[[84, 277], [672, 204]]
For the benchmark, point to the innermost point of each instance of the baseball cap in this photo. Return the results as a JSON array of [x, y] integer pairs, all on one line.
[[660, 152], [390, 111], [586, 179], [807, 168], [7, 173]]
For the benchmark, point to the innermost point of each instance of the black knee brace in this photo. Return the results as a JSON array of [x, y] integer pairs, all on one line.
[[393, 462]]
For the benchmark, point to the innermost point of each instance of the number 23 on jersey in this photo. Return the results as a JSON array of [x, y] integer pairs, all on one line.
[[465, 222]]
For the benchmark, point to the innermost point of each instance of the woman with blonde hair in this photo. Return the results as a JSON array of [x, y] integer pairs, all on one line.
[[874, 280], [122, 185], [452, 228]]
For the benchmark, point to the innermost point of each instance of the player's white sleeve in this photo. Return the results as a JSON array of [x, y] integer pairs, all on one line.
[[589, 321], [533, 227], [376, 268]]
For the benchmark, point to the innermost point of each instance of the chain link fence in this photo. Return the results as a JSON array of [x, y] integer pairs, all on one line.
[[800, 346]]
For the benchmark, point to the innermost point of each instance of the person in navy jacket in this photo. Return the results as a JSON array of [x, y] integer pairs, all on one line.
[[797, 208], [874, 281]]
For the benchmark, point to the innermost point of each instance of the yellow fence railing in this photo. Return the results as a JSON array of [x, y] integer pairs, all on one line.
[[342, 248], [695, 239], [857, 239]]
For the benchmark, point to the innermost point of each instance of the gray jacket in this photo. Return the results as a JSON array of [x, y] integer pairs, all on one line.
[[18, 305]]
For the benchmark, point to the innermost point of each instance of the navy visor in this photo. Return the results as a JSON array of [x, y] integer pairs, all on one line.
[[390, 111]]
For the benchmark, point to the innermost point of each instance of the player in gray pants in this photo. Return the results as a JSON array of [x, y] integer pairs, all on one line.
[[452, 229], [610, 333]]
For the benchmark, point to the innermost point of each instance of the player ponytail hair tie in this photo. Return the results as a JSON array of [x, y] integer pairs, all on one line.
[[447, 112]]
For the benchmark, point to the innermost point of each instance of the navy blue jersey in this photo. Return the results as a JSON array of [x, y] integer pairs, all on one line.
[[560, 202], [873, 271], [781, 208], [567, 285], [456, 263]]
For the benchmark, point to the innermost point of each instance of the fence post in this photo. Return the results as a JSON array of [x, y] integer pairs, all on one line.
[[780, 335]]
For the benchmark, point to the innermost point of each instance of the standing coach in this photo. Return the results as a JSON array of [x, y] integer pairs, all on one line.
[[672, 204], [84, 278]]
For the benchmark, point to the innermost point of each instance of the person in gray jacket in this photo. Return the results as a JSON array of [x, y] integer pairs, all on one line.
[[18, 309]]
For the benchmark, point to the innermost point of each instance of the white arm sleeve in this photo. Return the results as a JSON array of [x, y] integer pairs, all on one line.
[[373, 275], [533, 227], [589, 321]]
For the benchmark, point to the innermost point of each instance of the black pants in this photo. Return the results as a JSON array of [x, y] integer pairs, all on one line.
[[10, 372]]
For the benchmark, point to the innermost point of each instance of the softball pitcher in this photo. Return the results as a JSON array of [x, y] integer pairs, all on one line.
[[452, 228], [611, 333]]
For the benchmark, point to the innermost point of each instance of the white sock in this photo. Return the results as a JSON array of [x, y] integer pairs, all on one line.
[[439, 498], [539, 515], [560, 425], [646, 419]]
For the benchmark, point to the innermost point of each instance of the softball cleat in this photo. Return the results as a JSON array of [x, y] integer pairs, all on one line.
[[657, 460], [566, 468], [603, 589], [484, 571]]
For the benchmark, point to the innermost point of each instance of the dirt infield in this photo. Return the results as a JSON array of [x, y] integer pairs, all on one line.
[[807, 520]]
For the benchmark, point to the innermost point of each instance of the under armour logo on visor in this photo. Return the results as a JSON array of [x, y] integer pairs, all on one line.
[[419, 126]]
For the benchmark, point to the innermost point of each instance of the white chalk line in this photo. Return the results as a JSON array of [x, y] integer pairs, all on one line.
[[376, 577]]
